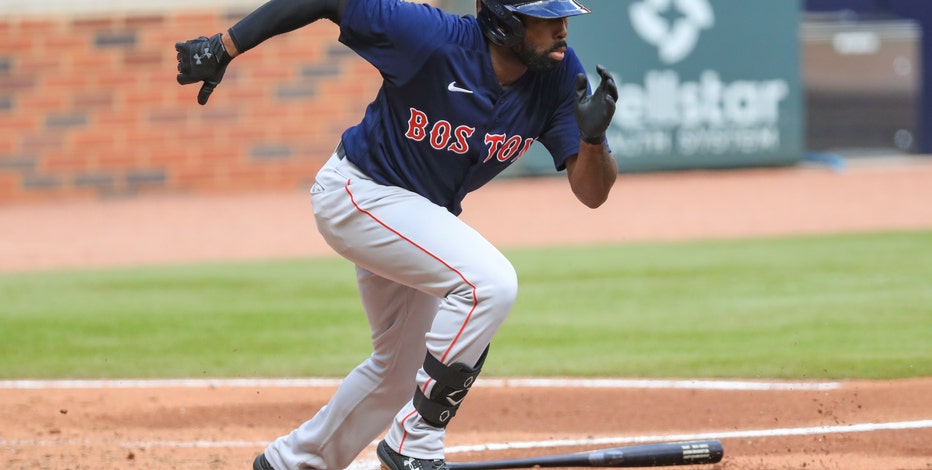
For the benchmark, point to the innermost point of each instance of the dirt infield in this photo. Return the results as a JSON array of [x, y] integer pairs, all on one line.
[[845, 425], [224, 427]]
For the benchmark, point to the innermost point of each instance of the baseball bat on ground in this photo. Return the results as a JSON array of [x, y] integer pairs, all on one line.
[[647, 455]]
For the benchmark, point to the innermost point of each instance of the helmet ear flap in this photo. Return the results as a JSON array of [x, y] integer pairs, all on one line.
[[499, 24]]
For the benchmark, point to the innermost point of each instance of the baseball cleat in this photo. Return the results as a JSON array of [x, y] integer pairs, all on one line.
[[392, 460], [261, 463]]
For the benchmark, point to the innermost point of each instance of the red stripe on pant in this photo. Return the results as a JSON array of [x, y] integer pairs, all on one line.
[[441, 261]]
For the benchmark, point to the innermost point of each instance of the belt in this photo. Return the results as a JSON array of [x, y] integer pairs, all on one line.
[[340, 152]]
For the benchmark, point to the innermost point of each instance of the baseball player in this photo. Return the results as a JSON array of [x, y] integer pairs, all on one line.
[[461, 99]]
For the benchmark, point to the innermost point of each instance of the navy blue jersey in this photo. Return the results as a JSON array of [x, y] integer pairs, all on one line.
[[441, 125]]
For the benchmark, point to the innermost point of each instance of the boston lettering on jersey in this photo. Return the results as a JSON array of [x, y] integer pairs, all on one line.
[[443, 136], [441, 124]]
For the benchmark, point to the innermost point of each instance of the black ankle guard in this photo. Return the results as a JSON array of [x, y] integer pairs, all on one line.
[[452, 384]]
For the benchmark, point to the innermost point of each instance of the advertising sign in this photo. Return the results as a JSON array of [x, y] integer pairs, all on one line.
[[702, 83]]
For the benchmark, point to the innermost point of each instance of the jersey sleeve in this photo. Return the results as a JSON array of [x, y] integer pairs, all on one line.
[[395, 36], [561, 137]]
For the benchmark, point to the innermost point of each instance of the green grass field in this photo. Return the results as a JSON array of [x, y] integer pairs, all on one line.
[[853, 306]]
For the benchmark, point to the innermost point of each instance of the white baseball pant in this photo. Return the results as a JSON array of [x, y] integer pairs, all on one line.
[[428, 282]]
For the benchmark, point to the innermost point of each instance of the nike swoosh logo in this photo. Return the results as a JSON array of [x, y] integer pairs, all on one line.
[[452, 87]]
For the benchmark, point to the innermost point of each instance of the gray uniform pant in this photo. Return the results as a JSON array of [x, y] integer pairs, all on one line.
[[428, 282]]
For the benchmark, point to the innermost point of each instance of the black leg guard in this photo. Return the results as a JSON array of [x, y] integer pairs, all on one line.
[[452, 384]]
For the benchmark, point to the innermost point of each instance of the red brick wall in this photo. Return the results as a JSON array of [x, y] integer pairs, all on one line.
[[89, 107]]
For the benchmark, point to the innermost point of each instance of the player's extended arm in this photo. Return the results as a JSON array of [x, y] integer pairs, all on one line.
[[205, 59], [592, 173]]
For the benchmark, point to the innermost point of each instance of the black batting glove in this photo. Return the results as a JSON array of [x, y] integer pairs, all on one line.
[[202, 60], [594, 112]]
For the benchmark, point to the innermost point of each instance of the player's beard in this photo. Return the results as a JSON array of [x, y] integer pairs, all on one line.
[[537, 61]]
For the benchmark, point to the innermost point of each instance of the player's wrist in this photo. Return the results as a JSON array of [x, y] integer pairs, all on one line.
[[229, 44], [593, 139]]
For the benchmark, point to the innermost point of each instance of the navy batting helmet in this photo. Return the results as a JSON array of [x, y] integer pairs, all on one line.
[[499, 23]]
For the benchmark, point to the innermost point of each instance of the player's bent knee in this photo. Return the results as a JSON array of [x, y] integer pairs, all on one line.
[[500, 289]]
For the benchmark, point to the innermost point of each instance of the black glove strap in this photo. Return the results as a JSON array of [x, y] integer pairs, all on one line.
[[594, 140]]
